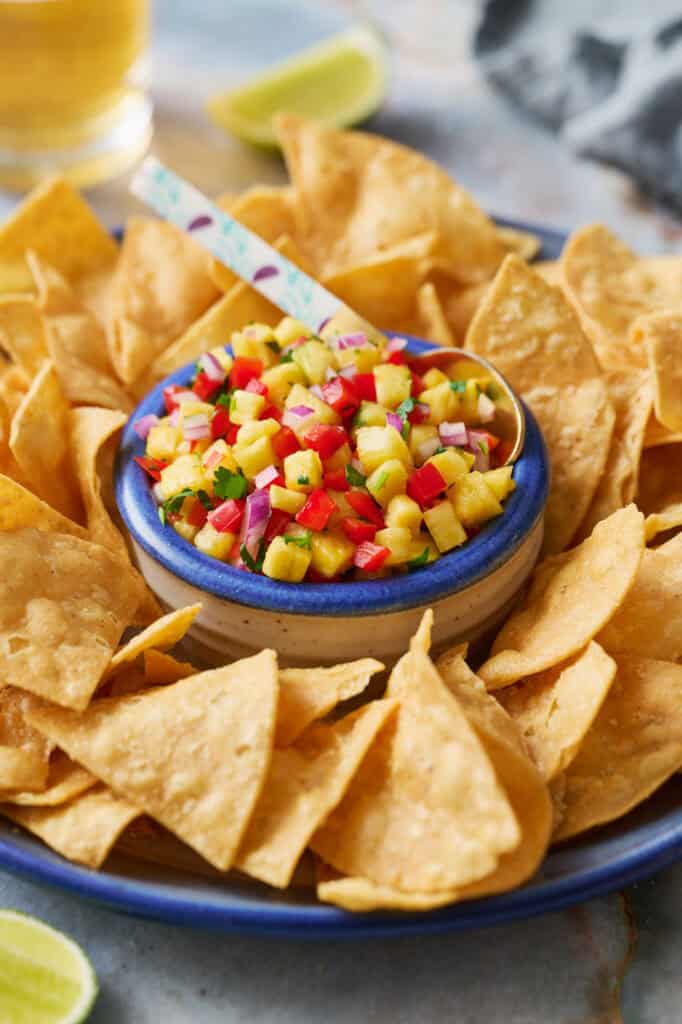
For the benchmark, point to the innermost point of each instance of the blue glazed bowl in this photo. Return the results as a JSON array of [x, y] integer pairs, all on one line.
[[469, 589]]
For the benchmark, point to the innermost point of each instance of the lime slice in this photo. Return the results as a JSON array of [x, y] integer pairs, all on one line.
[[340, 81], [44, 977]]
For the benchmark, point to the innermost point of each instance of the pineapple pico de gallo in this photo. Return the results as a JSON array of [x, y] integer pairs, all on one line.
[[324, 458]]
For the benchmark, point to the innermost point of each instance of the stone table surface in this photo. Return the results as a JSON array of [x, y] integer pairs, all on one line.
[[610, 960]]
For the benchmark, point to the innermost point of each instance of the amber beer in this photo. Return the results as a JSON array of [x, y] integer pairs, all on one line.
[[71, 88]]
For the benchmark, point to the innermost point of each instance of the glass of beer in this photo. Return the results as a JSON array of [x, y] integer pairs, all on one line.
[[72, 89]]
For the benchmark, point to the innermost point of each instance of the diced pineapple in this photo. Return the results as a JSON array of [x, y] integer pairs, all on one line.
[[185, 473], [185, 529], [286, 500], [252, 343], [420, 433], [190, 408], [218, 545], [393, 384], [315, 359], [301, 396], [433, 377], [404, 512], [303, 471], [398, 540], [444, 526], [387, 480], [218, 454], [364, 359], [163, 441], [450, 465], [254, 429], [469, 402], [288, 330], [421, 544], [245, 406], [500, 481], [332, 553], [473, 500], [339, 460], [286, 562], [370, 414], [223, 357], [252, 458], [442, 401], [379, 444], [280, 379]]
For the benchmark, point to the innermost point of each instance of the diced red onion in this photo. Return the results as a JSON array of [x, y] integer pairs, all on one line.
[[396, 345], [348, 372], [212, 368], [213, 459], [196, 428], [255, 521], [175, 417], [144, 425], [180, 397], [476, 439], [427, 448], [266, 476], [316, 390], [357, 340], [301, 411], [393, 420], [486, 408], [454, 434]]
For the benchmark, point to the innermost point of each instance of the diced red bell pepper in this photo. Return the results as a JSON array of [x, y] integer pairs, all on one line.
[[419, 414], [271, 412], [325, 439], [357, 530], [341, 395], [317, 511], [257, 387], [203, 386], [396, 358], [336, 480], [152, 467], [243, 370], [285, 443], [425, 484], [220, 424], [169, 394], [197, 514], [417, 385], [370, 557], [366, 508], [235, 551], [279, 519], [227, 517], [365, 387]]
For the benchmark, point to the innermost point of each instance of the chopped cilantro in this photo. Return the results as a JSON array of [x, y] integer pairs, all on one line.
[[304, 481], [287, 357], [227, 484], [225, 399], [354, 478], [440, 449], [301, 540], [173, 505], [420, 560], [458, 386], [483, 445], [273, 345], [205, 500], [254, 564], [405, 408], [381, 480]]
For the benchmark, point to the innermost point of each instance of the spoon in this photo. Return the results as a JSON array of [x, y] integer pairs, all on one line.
[[290, 289]]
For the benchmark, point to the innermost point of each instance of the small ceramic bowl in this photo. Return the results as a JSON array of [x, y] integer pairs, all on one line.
[[470, 589]]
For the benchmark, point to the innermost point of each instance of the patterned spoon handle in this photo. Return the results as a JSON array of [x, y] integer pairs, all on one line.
[[247, 255]]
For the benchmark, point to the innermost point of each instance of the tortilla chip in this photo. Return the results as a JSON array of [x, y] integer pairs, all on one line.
[[523, 243], [76, 342], [21, 769], [161, 287], [660, 478], [359, 194], [63, 607], [656, 434], [21, 332], [555, 709], [144, 840], [15, 279], [56, 222], [14, 385], [267, 210], [361, 895], [661, 336], [549, 271], [425, 810], [193, 755], [459, 304], [164, 633], [669, 518], [308, 694], [431, 323], [39, 442], [571, 598], [65, 780], [20, 508], [95, 294], [82, 830], [161, 669], [305, 783], [634, 745], [631, 397], [647, 622]]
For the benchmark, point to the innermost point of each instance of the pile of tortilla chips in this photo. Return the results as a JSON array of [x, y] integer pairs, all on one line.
[[452, 783]]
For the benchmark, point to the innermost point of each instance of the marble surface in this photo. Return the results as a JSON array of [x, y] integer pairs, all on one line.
[[613, 960]]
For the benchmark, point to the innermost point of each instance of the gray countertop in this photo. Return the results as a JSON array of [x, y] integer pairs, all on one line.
[[564, 968]]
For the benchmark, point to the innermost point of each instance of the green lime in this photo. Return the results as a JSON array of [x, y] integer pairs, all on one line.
[[44, 977], [340, 82]]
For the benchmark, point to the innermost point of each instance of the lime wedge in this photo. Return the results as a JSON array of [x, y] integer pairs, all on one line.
[[44, 977], [340, 82]]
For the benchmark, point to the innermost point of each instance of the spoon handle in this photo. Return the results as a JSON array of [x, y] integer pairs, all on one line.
[[246, 254]]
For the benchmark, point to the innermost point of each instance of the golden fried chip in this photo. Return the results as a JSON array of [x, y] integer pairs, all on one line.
[[160, 668], [555, 709], [459, 304], [307, 694], [76, 341], [648, 620], [65, 780], [657, 435], [571, 598], [523, 243], [267, 210], [425, 810], [21, 332], [56, 222], [305, 783], [161, 287], [84, 829], [660, 478], [661, 336], [21, 769], [634, 745], [361, 895], [145, 840], [164, 633], [358, 194], [193, 755], [431, 322], [39, 442], [669, 518], [20, 508], [63, 607], [631, 397]]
